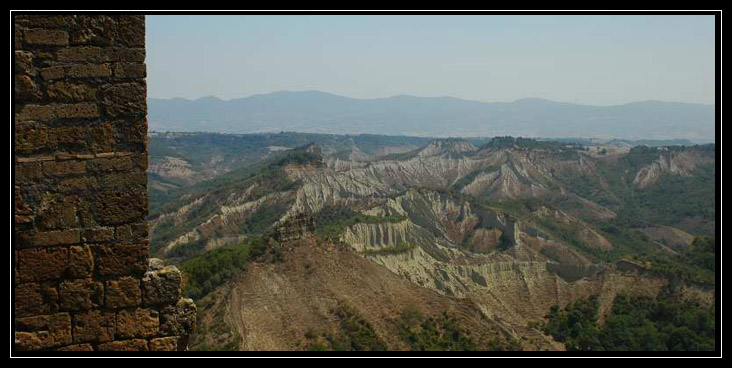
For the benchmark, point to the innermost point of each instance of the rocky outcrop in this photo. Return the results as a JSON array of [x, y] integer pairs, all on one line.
[[669, 163]]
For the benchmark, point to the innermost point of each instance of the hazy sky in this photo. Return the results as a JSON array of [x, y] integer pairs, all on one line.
[[601, 60]]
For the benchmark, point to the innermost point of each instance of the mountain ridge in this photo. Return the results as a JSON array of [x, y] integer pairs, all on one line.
[[322, 112]]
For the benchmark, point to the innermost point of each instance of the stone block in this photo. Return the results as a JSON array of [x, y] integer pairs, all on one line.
[[23, 63], [93, 30], [30, 138], [80, 294], [132, 232], [129, 70], [81, 261], [90, 54], [138, 322], [49, 238], [131, 30], [122, 259], [121, 205], [97, 235], [164, 344], [122, 293], [41, 36], [161, 286], [77, 347], [125, 345], [64, 168], [42, 332], [42, 264], [124, 100], [36, 298], [63, 91], [89, 71], [94, 326], [179, 319]]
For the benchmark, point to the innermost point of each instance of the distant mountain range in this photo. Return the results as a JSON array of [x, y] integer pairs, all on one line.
[[320, 112]]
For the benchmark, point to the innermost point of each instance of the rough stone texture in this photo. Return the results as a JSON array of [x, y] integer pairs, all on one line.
[[161, 286], [44, 331], [80, 295], [94, 326], [125, 345], [164, 344], [176, 320], [122, 293], [141, 322], [83, 280]]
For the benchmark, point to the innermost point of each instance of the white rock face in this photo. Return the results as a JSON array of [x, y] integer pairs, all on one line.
[[672, 163]]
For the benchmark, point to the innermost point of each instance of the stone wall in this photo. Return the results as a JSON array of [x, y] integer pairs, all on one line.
[[83, 280]]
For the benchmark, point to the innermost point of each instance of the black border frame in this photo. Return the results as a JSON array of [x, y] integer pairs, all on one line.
[[554, 354]]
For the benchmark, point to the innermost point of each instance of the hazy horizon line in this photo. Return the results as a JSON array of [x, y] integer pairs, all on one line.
[[437, 137], [425, 97]]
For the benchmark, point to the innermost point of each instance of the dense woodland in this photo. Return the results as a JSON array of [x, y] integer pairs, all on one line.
[[664, 323]]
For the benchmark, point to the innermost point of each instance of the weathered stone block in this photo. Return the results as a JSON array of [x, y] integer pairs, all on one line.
[[78, 347], [35, 113], [70, 92], [26, 89], [42, 264], [129, 70], [91, 54], [42, 36], [63, 168], [81, 261], [78, 110], [97, 235], [131, 30], [129, 180], [42, 332], [112, 164], [20, 207], [122, 293], [137, 323], [164, 344], [80, 294], [27, 171], [73, 137], [178, 320], [53, 73], [125, 54], [119, 206], [47, 113], [89, 71], [23, 63], [56, 212], [93, 30], [36, 298], [122, 259], [141, 162], [73, 185], [49, 238], [132, 232], [124, 100], [101, 138], [48, 21], [94, 326], [161, 286], [30, 138], [135, 132], [124, 345]]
